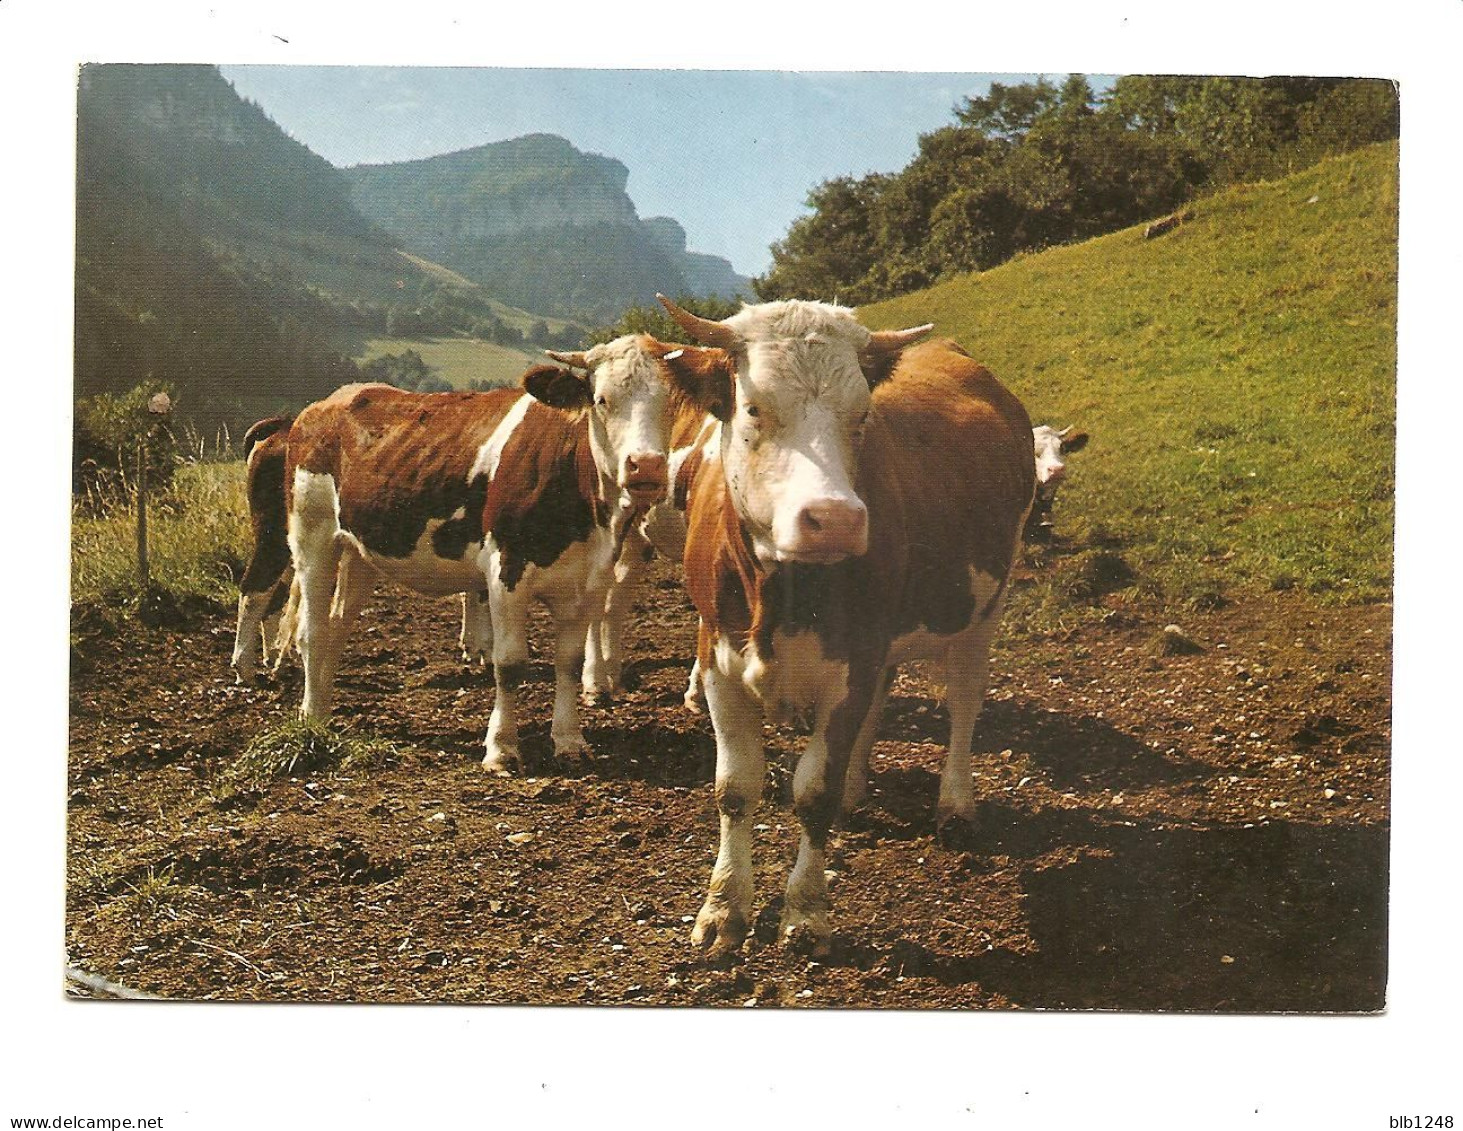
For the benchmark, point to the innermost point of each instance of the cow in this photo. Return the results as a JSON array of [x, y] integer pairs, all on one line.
[[522, 496], [662, 528], [1051, 445], [862, 508], [267, 579]]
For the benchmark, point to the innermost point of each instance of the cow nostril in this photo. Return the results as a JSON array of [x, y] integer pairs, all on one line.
[[810, 521]]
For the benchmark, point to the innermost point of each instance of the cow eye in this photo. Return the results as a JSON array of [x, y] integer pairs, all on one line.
[[753, 411], [601, 402]]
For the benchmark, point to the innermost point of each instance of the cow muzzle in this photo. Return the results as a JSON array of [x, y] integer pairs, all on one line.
[[643, 477], [826, 531]]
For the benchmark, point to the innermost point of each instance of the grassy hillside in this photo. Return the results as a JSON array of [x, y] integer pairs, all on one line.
[[1238, 377], [461, 361]]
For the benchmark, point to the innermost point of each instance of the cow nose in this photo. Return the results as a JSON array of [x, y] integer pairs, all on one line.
[[1056, 472], [645, 470], [833, 527]]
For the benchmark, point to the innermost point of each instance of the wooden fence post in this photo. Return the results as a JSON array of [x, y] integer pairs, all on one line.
[[158, 407], [142, 514]]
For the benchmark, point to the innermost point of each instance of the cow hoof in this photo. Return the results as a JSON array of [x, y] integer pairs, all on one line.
[[719, 932], [694, 704], [571, 748], [244, 670], [807, 934], [501, 760], [956, 830], [597, 696]]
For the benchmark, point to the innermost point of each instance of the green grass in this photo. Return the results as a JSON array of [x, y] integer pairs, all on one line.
[[460, 360], [1238, 377], [303, 746], [198, 541]]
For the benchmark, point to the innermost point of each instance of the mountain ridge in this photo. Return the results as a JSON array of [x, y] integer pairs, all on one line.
[[491, 212]]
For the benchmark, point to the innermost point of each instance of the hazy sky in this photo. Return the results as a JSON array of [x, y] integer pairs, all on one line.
[[730, 154]]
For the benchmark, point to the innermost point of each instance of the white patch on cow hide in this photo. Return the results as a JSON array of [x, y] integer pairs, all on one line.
[[799, 679], [492, 451], [425, 571], [922, 644]]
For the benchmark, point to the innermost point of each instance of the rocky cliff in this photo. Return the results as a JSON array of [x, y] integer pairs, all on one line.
[[540, 224]]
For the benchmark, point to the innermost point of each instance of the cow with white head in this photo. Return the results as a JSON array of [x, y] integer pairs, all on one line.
[[861, 508], [1051, 444]]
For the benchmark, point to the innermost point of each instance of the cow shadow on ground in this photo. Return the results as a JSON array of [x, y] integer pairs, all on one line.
[[643, 751], [1070, 752], [1279, 917]]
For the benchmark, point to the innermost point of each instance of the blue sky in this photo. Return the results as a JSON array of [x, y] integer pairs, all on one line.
[[730, 154]]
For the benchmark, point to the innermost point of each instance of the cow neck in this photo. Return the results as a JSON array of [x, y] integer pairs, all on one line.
[[789, 597], [546, 494]]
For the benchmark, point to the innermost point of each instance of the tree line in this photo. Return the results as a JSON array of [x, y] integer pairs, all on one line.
[[1031, 165]]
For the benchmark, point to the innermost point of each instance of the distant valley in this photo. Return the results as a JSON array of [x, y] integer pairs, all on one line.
[[220, 258]]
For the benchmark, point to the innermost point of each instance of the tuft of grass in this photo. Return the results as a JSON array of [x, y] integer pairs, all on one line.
[[303, 746], [1238, 379], [156, 893]]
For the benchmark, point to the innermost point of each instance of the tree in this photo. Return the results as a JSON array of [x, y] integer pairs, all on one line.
[[825, 254], [1007, 112]]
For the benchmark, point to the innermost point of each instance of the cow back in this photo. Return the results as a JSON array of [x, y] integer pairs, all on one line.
[[400, 459]]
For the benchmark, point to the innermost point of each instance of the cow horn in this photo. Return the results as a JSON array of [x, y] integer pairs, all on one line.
[[704, 330], [1063, 431], [575, 360], [887, 341]]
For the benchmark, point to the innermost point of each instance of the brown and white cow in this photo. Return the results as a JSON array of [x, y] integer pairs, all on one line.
[[522, 497], [662, 529], [862, 508], [1050, 445]]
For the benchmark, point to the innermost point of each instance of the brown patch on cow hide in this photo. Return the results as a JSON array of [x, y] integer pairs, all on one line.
[[545, 495], [400, 460]]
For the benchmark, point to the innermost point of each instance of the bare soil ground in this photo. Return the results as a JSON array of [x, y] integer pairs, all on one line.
[[1157, 832]]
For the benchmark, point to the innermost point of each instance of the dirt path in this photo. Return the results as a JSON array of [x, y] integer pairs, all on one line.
[[1199, 832]]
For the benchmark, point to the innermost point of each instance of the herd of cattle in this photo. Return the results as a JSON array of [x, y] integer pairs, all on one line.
[[843, 501]]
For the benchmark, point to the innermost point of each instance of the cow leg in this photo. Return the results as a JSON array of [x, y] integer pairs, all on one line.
[[604, 656], [476, 637], [570, 627], [247, 634], [856, 781], [288, 622], [271, 641], [354, 583], [967, 669], [737, 717], [257, 608], [817, 790], [315, 544], [510, 668], [695, 697]]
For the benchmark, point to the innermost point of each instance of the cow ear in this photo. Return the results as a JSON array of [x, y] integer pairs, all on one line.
[[878, 358], [558, 387], [1075, 442], [702, 376]]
